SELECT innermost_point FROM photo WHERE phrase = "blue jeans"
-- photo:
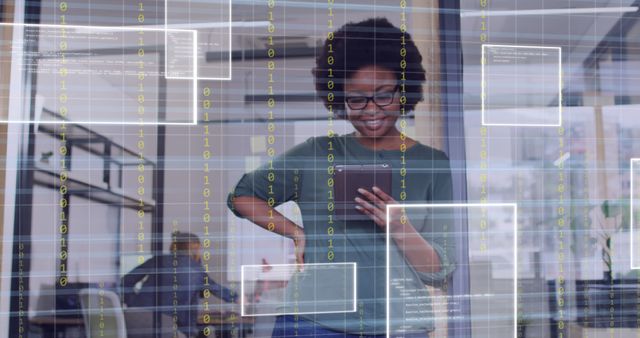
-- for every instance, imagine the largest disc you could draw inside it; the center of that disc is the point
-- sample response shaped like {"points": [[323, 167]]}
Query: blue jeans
{"points": [[284, 328]]}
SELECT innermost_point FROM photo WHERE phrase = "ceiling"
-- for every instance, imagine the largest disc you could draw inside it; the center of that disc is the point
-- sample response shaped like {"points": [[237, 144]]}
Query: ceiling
{"points": [[577, 34]]}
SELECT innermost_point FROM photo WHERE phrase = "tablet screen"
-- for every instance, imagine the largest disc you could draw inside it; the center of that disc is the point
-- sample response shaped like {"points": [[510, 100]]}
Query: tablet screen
{"points": [[348, 178]]}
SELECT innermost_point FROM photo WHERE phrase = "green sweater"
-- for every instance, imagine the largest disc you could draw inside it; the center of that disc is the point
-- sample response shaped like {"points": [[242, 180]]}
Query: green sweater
{"points": [[301, 175]]}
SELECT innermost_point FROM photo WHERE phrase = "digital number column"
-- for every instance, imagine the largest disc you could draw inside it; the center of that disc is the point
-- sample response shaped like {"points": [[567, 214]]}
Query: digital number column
{"points": [[63, 150], [206, 209], [271, 133], [271, 103], [330, 133], [403, 112], [484, 150], [140, 145]]}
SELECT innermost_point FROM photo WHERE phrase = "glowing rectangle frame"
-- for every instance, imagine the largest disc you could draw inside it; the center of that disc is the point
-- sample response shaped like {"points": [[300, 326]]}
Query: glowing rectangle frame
{"points": [[631, 225], [483, 94], [121, 28], [454, 205], [294, 265], [195, 53]]}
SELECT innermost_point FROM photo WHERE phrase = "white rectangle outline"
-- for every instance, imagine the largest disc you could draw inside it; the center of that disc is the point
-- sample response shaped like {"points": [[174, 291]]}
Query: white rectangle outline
{"points": [[355, 289], [195, 54], [121, 28], [457, 205], [482, 94], [631, 242]]}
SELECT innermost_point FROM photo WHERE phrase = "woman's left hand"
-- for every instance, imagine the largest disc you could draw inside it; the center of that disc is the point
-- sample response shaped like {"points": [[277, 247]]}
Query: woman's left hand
{"points": [[374, 204], [418, 252]]}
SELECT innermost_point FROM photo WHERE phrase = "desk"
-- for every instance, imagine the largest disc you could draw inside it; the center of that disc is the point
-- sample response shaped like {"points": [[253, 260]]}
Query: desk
{"points": [[53, 327], [228, 325]]}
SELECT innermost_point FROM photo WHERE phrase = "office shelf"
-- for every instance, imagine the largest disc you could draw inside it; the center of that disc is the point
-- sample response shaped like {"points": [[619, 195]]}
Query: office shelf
{"points": [[102, 194], [111, 153]]}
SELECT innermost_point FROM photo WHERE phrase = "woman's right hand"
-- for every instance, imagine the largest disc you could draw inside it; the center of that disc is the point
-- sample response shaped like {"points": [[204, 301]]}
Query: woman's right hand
{"points": [[259, 212], [299, 242]]}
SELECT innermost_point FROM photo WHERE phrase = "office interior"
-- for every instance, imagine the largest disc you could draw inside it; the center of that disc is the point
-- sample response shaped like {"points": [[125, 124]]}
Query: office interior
{"points": [[552, 133]]}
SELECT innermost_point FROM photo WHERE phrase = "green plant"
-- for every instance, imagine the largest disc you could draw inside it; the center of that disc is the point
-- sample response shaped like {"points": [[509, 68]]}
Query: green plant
{"points": [[522, 322], [607, 219]]}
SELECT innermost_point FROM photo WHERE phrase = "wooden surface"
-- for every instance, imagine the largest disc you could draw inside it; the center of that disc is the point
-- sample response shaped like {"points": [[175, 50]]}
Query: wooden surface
{"points": [[53, 320], [214, 319], [576, 330]]}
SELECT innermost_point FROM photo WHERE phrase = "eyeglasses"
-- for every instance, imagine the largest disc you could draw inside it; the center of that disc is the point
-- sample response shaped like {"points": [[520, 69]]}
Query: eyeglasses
{"points": [[381, 99]]}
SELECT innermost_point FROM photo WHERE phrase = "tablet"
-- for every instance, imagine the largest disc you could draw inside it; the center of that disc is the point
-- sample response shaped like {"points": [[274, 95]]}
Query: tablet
{"points": [[347, 180]]}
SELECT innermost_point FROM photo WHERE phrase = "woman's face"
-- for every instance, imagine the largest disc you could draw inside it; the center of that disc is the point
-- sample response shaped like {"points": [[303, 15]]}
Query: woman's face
{"points": [[372, 102]]}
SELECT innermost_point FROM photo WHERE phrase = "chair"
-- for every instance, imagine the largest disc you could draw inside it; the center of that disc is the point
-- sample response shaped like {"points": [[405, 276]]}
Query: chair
{"points": [[102, 313], [140, 324]]}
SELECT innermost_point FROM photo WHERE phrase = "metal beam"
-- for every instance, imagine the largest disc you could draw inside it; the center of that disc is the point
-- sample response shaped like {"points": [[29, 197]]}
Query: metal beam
{"points": [[262, 54], [452, 106], [21, 260]]}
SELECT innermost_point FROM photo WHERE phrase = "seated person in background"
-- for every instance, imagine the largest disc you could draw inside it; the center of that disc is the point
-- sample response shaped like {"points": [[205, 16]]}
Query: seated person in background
{"points": [[180, 271]]}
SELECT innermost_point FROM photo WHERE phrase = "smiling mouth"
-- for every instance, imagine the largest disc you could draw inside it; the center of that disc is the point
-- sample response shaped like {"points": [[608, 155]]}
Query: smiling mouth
{"points": [[374, 123]]}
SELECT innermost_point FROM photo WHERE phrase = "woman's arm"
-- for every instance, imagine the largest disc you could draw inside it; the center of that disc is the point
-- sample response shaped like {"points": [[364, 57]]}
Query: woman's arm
{"points": [[276, 181], [418, 252], [259, 212]]}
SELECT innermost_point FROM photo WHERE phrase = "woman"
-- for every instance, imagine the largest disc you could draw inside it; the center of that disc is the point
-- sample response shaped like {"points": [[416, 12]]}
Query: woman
{"points": [[363, 61]]}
